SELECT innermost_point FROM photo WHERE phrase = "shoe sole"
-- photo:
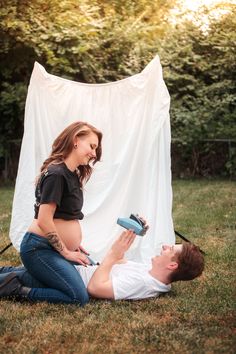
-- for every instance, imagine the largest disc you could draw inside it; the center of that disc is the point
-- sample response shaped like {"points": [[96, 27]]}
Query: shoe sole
{"points": [[8, 279]]}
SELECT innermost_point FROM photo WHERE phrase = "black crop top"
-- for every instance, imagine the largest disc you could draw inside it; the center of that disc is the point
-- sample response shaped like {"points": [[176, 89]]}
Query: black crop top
{"points": [[61, 186]]}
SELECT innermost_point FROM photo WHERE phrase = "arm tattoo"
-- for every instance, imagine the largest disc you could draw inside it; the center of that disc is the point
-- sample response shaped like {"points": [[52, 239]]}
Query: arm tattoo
{"points": [[55, 241]]}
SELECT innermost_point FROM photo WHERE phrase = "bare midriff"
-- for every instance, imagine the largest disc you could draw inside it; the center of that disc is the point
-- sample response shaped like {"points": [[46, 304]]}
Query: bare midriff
{"points": [[69, 232]]}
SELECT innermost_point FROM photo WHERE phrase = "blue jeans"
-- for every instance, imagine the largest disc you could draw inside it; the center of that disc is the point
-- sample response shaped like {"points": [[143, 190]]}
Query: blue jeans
{"points": [[24, 276], [62, 282]]}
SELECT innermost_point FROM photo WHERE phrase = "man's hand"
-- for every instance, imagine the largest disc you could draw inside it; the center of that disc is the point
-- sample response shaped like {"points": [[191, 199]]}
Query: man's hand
{"points": [[145, 226], [122, 244], [100, 285]]}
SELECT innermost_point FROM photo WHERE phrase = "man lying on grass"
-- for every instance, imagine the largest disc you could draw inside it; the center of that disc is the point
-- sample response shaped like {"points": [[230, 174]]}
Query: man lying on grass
{"points": [[115, 278]]}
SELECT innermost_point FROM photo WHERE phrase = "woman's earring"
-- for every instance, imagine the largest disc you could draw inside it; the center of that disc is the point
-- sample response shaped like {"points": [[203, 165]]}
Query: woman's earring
{"points": [[75, 146]]}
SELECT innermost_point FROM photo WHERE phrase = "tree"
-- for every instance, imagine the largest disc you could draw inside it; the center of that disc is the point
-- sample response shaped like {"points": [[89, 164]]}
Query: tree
{"points": [[86, 40], [199, 68], [107, 40]]}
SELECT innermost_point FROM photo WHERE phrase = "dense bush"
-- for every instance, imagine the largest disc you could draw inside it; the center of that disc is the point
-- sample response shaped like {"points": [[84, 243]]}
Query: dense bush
{"points": [[106, 40]]}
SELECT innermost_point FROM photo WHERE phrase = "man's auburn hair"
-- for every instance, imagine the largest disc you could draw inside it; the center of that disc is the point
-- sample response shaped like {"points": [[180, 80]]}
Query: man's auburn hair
{"points": [[190, 263]]}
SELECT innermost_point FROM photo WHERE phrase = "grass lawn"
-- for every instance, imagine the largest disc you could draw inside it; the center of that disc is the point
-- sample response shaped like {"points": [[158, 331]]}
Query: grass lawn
{"points": [[196, 317]]}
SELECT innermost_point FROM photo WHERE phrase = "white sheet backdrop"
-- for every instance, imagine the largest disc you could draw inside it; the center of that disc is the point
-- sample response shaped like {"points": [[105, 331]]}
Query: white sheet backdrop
{"points": [[134, 174]]}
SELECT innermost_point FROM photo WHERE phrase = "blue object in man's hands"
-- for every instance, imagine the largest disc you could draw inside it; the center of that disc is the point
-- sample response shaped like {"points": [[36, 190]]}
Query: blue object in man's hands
{"points": [[133, 223]]}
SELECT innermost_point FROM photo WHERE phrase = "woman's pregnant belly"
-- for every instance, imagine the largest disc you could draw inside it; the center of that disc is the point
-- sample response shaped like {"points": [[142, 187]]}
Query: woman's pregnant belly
{"points": [[68, 230]]}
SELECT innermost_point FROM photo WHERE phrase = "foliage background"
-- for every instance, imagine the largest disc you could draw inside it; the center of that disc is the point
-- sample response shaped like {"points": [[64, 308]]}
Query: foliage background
{"points": [[107, 40]]}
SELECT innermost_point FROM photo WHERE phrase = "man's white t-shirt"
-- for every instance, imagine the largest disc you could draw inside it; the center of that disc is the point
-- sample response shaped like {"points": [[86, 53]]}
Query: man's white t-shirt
{"points": [[130, 280]]}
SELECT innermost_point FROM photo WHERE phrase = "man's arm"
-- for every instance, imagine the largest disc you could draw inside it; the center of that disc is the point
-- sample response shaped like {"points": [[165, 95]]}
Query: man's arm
{"points": [[100, 285]]}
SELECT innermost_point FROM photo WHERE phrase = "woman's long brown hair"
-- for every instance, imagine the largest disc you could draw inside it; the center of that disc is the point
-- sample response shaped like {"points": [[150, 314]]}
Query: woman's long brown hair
{"points": [[64, 144]]}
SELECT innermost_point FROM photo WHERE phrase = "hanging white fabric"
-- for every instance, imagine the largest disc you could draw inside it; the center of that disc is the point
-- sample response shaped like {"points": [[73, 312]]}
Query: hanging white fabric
{"points": [[134, 175]]}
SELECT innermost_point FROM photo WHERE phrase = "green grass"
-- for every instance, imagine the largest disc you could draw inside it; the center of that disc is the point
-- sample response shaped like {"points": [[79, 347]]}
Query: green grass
{"points": [[196, 317]]}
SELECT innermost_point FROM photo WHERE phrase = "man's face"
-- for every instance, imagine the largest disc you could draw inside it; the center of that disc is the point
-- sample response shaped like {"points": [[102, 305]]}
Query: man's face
{"points": [[167, 256]]}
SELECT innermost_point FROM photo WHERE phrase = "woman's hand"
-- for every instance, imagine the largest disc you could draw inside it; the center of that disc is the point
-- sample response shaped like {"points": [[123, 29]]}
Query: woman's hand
{"points": [[77, 257], [83, 250]]}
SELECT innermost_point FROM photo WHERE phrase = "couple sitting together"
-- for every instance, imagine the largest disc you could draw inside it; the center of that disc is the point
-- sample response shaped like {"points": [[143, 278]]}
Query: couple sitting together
{"points": [[56, 267]]}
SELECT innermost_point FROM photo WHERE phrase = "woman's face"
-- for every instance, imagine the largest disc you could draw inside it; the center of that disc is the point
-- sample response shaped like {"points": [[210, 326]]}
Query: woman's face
{"points": [[86, 148]]}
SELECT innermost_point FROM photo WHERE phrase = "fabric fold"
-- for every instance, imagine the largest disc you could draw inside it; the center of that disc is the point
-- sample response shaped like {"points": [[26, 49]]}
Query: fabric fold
{"points": [[134, 175]]}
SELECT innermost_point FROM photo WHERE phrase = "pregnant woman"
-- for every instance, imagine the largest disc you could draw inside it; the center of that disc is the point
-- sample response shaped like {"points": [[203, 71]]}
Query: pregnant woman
{"points": [[52, 244]]}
